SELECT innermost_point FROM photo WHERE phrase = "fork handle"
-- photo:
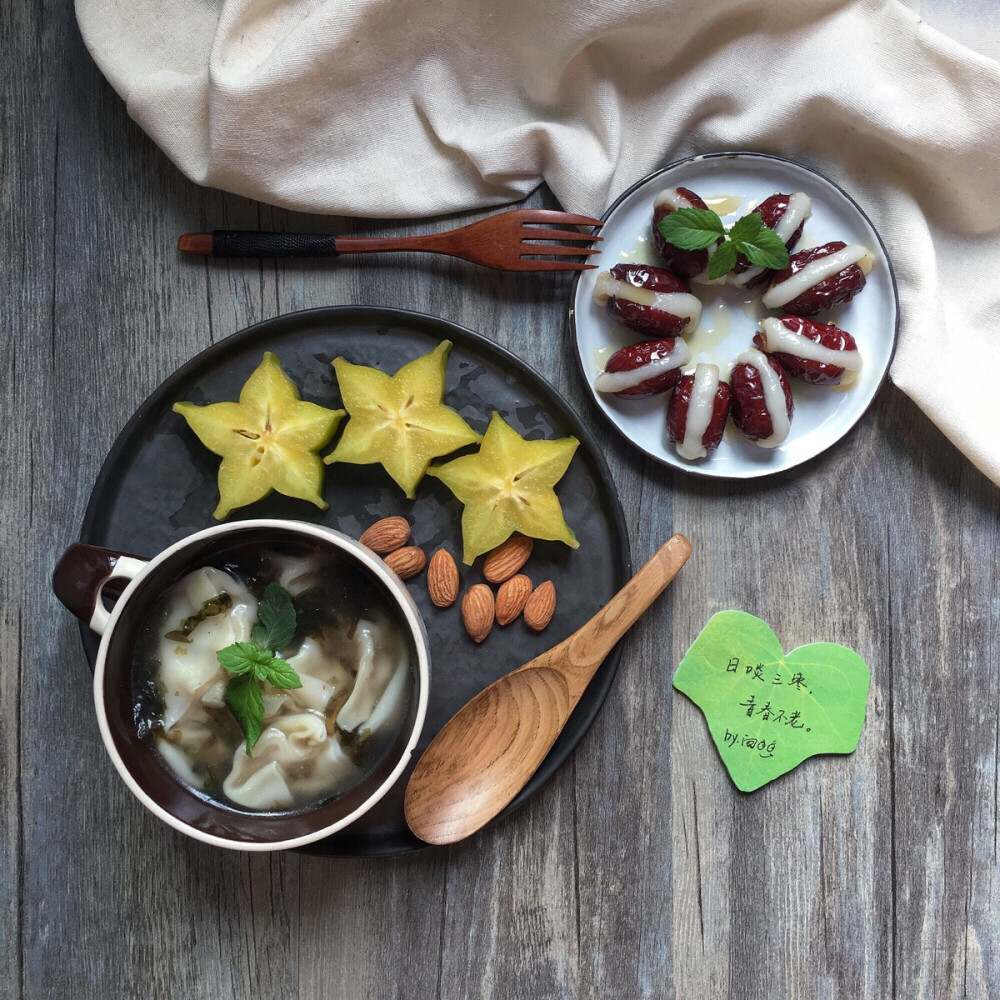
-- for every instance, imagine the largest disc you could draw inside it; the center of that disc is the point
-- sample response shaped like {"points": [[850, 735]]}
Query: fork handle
{"points": [[248, 243]]}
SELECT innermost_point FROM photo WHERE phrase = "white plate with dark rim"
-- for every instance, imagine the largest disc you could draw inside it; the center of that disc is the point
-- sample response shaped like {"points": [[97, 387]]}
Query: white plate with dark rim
{"points": [[734, 184]]}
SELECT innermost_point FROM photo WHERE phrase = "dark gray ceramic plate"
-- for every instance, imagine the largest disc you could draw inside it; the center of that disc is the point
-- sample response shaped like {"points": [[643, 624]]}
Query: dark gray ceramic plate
{"points": [[158, 485]]}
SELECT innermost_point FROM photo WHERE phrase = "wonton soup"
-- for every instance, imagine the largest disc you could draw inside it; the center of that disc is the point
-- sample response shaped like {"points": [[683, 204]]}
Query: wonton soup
{"points": [[317, 741]]}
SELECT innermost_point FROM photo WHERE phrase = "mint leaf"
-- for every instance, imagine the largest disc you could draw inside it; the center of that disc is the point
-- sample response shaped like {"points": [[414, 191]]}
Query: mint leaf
{"points": [[245, 701], [764, 258], [747, 228], [276, 619], [723, 260], [691, 228], [243, 658], [766, 250], [699, 229], [282, 675], [253, 664]]}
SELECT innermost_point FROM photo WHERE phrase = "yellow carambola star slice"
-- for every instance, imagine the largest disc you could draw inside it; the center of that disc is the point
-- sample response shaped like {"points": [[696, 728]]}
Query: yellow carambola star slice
{"points": [[268, 440], [507, 486], [398, 421]]}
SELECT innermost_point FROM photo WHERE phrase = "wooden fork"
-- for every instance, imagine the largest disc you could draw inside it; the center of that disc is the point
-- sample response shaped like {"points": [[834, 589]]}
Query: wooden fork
{"points": [[504, 241]]}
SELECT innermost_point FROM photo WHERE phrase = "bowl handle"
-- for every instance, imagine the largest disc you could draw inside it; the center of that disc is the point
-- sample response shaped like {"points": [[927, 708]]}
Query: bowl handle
{"points": [[80, 576]]}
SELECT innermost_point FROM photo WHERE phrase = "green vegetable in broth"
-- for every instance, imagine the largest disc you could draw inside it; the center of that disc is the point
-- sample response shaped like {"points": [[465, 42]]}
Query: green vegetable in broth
{"points": [[211, 608]]}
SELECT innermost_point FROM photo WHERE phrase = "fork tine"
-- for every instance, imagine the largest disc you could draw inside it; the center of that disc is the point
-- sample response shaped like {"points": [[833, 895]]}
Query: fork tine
{"points": [[551, 215], [527, 233], [554, 250], [526, 264]]}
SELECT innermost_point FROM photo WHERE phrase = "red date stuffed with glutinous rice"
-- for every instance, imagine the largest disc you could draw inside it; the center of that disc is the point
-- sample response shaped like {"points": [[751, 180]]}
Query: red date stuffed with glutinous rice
{"points": [[762, 399], [649, 300], [786, 214], [819, 279], [696, 416], [686, 263], [819, 353], [644, 369]]}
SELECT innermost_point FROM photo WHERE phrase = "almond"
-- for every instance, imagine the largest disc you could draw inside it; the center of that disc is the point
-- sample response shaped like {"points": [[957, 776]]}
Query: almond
{"points": [[506, 559], [386, 535], [511, 598], [541, 606], [406, 562], [477, 611], [442, 579]]}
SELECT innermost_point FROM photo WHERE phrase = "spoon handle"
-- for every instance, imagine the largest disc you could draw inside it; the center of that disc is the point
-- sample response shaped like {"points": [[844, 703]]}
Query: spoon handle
{"points": [[579, 656]]}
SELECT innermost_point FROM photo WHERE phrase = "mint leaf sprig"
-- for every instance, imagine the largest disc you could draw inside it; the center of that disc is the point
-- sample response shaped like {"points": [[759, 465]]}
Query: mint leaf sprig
{"points": [[701, 228], [255, 663]]}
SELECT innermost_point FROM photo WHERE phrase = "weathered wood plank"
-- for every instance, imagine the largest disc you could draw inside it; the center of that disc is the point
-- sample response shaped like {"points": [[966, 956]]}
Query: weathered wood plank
{"points": [[371, 928], [623, 787], [26, 274], [942, 621], [791, 872], [113, 903], [639, 871]]}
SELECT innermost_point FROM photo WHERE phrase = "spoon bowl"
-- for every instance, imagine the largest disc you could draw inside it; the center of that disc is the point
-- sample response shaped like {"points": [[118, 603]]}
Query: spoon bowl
{"points": [[489, 749], [503, 735]]}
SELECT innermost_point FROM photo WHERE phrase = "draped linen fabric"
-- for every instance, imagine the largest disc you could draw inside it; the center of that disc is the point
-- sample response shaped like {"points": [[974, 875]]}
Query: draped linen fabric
{"points": [[420, 107]]}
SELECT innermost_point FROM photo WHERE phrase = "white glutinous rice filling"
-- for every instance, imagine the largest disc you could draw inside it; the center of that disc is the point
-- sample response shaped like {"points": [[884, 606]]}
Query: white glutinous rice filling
{"points": [[774, 397], [679, 304], [619, 381], [699, 413], [816, 271], [778, 339]]}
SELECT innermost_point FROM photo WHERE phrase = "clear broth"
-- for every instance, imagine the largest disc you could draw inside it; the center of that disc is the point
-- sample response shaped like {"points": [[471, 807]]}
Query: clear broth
{"points": [[337, 600]]}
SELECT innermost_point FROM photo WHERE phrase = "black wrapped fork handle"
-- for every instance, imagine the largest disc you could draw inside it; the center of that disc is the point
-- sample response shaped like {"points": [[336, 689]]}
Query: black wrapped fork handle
{"points": [[247, 243]]}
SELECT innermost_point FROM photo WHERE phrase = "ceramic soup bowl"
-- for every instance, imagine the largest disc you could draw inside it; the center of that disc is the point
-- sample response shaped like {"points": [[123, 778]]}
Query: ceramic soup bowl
{"points": [[79, 581]]}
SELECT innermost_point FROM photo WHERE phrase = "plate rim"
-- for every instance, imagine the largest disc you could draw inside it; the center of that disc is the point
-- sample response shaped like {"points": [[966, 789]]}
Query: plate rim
{"points": [[762, 473], [434, 326]]}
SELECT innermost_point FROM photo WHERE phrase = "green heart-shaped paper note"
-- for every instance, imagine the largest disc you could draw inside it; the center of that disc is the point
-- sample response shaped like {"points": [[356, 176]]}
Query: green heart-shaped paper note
{"points": [[767, 710]]}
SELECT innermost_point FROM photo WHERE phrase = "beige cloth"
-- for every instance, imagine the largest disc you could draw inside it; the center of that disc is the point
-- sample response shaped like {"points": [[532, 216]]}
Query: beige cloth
{"points": [[417, 107]]}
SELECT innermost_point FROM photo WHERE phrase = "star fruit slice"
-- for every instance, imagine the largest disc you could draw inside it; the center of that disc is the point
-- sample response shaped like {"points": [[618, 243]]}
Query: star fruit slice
{"points": [[398, 421], [268, 440], [507, 486]]}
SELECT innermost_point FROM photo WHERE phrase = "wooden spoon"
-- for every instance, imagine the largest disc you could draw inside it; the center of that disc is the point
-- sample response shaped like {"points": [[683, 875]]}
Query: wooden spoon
{"points": [[489, 749]]}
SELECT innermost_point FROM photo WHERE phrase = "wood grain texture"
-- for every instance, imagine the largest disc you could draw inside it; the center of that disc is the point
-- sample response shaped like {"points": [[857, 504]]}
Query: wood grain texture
{"points": [[638, 871]]}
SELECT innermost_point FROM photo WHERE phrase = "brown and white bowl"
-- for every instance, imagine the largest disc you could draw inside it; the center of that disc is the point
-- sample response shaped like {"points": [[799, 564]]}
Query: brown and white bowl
{"points": [[79, 580]]}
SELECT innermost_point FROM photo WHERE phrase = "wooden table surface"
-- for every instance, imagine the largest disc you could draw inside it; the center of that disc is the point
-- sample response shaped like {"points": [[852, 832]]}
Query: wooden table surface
{"points": [[638, 871]]}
